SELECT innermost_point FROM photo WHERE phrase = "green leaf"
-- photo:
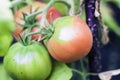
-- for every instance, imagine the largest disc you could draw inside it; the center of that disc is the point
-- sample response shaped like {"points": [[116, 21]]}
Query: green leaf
{"points": [[60, 72]]}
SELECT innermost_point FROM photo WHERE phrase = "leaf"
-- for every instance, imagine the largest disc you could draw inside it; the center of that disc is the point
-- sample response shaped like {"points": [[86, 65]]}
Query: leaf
{"points": [[60, 72]]}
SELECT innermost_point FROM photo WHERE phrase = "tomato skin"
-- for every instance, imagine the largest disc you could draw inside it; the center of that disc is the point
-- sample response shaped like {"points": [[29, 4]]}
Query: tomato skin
{"points": [[35, 5], [54, 13], [71, 41], [30, 62], [62, 8]]}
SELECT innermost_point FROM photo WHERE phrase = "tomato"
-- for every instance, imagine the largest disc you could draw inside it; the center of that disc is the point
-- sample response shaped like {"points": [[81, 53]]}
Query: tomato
{"points": [[5, 41], [62, 8], [31, 62], [18, 17], [6, 26], [6, 17], [54, 13], [71, 40]]}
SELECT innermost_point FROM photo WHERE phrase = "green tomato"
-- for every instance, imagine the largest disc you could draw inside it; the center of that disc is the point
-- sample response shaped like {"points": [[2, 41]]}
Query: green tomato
{"points": [[5, 41], [62, 8], [31, 62], [6, 17]]}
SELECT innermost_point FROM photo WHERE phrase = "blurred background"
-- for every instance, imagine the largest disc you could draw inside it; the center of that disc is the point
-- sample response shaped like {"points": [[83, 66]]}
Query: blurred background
{"points": [[111, 51]]}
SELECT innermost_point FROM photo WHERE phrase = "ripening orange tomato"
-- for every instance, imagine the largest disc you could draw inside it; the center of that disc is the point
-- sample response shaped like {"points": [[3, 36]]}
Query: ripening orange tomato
{"points": [[71, 40]]}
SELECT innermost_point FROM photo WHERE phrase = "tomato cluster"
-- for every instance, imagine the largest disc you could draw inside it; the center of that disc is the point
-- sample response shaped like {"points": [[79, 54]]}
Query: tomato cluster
{"points": [[18, 17], [30, 59]]}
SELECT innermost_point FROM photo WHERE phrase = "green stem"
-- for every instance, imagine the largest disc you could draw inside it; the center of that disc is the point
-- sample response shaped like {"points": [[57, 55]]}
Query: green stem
{"points": [[32, 33], [21, 40], [82, 74], [34, 14], [75, 6], [27, 39], [92, 74], [43, 11], [83, 64], [79, 72]]}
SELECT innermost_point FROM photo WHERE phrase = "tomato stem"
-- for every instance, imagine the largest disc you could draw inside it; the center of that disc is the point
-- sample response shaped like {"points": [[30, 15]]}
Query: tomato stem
{"points": [[28, 38], [84, 74], [21, 40], [75, 4], [34, 14], [43, 19], [32, 33], [43, 11]]}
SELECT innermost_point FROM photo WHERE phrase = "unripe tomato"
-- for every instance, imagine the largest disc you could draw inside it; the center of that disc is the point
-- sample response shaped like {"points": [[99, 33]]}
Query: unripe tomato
{"points": [[18, 17], [5, 42], [62, 8], [6, 17], [31, 62], [71, 40]]}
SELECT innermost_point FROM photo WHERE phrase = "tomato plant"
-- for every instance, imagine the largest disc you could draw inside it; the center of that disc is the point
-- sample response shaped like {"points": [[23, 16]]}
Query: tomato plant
{"points": [[18, 16], [67, 38], [71, 40], [31, 62]]}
